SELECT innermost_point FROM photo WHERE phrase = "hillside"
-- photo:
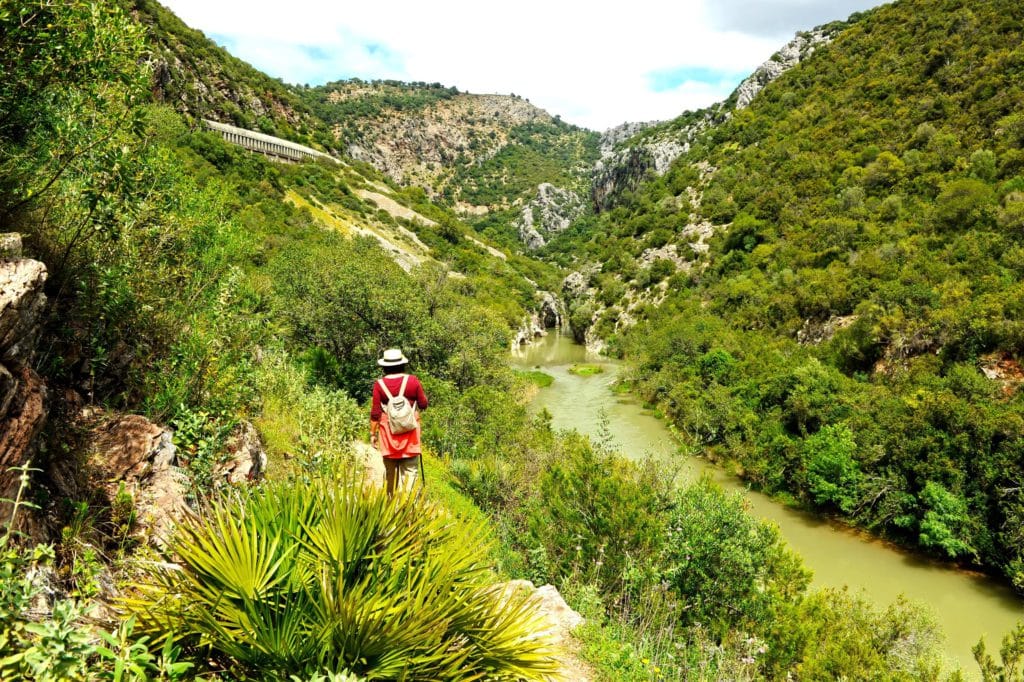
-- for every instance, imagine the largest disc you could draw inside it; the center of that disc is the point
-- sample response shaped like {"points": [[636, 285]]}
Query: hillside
{"points": [[191, 333], [484, 155], [824, 289], [198, 78]]}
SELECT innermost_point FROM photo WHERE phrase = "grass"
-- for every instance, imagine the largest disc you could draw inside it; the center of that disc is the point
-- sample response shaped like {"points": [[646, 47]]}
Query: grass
{"points": [[586, 369], [442, 487], [537, 378]]}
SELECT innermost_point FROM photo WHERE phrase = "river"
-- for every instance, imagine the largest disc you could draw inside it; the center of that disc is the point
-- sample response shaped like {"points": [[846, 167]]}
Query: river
{"points": [[966, 604]]}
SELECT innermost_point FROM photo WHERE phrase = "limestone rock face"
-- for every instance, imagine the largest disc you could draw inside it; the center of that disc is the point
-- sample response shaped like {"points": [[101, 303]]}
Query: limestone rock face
{"points": [[559, 622], [247, 460], [415, 146], [624, 168], [132, 450], [798, 49], [550, 314], [10, 245], [623, 165], [613, 137], [815, 332], [22, 302], [23, 394], [550, 212], [26, 411]]}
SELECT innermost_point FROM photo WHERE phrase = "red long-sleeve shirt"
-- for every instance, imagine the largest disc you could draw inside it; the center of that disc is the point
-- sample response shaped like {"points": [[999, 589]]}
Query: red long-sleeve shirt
{"points": [[413, 391]]}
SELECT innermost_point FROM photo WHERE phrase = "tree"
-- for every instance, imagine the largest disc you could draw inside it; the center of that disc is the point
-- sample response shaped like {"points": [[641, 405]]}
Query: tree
{"points": [[833, 474], [70, 77], [945, 525], [726, 566]]}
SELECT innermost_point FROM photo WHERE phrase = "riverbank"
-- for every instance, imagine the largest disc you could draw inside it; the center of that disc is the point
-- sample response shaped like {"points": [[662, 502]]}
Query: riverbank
{"points": [[968, 606]]}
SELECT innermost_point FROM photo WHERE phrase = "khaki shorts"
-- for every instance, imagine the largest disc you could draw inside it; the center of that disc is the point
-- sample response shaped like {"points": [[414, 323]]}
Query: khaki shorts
{"points": [[401, 473]]}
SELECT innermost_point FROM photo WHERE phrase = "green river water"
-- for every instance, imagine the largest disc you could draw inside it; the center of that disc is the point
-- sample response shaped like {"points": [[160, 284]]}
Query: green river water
{"points": [[967, 605]]}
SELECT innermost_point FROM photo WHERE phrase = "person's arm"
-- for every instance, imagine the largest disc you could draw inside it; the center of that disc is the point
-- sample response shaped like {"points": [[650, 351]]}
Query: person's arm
{"points": [[421, 396], [375, 413]]}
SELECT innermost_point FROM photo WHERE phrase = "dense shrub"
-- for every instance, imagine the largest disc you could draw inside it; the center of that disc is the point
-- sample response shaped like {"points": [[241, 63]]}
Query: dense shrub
{"points": [[326, 576]]}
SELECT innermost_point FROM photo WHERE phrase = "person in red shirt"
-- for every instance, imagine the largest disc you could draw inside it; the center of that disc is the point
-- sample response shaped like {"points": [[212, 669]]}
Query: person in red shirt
{"points": [[401, 452]]}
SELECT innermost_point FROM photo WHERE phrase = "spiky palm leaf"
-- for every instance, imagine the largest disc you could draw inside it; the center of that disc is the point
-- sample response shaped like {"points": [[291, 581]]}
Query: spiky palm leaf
{"points": [[313, 576]]}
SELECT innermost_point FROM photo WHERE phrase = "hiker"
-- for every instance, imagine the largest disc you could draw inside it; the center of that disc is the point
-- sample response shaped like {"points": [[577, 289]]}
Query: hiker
{"points": [[398, 398]]}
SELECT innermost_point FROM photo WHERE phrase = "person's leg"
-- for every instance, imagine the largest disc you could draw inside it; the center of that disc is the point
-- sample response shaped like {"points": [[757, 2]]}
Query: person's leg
{"points": [[408, 470], [390, 474]]}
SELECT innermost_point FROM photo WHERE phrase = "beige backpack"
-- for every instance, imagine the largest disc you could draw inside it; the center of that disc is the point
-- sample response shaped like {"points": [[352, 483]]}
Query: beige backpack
{"points": [[400, 410]]}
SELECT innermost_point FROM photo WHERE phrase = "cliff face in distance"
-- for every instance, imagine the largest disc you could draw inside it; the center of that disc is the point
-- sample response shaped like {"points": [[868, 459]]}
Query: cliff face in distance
{"points": [[478, 152]]}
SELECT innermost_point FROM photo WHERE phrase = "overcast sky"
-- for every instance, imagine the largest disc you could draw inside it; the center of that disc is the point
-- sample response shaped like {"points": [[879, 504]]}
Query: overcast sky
{"points": [[597, 64]]}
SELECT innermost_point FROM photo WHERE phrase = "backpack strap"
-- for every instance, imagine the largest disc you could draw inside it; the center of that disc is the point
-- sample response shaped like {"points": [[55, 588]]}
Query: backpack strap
{"points": [[401, 390], [384, 387]]}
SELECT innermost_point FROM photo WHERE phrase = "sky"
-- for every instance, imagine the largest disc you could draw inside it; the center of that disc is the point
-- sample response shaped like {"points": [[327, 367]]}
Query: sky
{"points": [[596, 64]]}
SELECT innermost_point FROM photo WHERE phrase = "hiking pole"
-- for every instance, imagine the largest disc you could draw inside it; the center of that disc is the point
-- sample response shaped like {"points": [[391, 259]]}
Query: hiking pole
{"points": [[423, 472]]}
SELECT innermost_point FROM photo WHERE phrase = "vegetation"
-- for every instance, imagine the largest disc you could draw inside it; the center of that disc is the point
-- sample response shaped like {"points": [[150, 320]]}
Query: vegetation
{"points": [[202, 285], [203, 80], [306, 577], [537, 152], [861, 276]]}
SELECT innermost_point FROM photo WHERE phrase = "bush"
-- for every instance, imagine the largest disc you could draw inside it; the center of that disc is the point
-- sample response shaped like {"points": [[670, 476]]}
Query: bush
{"points": [[599, 515], [326, 576], [728, 569]]}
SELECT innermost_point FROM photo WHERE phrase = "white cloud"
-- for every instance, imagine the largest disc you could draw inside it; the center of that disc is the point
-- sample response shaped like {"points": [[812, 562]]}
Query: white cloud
{"points": [[589, 62]]}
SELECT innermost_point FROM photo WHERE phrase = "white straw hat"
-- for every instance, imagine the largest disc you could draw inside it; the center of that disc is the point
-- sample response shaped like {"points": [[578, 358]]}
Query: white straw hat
{"points": [[392, 357]]}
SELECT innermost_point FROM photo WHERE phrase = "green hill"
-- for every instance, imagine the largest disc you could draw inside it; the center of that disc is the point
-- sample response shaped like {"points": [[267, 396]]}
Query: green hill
{"points": [[204, 295], [851, 335]]}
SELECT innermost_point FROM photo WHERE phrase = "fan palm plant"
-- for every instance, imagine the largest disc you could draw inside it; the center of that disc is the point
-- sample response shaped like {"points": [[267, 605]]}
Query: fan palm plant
{"points": [[315, 576]]}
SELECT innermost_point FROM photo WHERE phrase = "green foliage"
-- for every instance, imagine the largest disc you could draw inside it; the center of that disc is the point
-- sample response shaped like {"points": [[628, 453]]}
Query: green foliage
{"points": [[538, 378], [865, 261], [599, 515], [353, 301], [537, 152], [832, 470], [586, 370], [368, 100], [1010, 668], [900, 642], [199, 439], [946, 523], [190, 63], [729, 569], [327, 576], [311, 421], [69, 80]]}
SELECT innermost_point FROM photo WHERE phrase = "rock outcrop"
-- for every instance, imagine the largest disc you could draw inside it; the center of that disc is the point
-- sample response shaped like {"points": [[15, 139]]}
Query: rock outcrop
{"points": [[795, 51], [23, 395], [559, 622], [623, 166], [623, 169], [550, 212], [418, 145], [815, 332], [246, 457], [132, 451], [551, 313]]}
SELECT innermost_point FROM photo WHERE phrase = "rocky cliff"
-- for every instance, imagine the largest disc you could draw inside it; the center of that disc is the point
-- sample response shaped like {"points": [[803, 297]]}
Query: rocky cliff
{"points": [[479, 152], [23, 394], [631, 151], [551, 211], [418, 147]]}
